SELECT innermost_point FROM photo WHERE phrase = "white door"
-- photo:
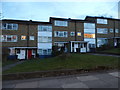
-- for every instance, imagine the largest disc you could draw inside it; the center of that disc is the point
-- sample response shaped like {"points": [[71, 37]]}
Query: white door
{"points": [[22, 54], [75, 46]]}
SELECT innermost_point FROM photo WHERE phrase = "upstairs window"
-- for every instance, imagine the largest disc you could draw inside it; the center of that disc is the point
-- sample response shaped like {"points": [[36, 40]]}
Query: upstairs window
{"points": [[72, 33], [61, 23], [116, 30], [44, 39], [9, 26], [101, 21], [45, 28], [9, 38], [111, 30], [102, 30], [23, 37], [89, 25], [31, 38], [78, 33], [60, 33]]}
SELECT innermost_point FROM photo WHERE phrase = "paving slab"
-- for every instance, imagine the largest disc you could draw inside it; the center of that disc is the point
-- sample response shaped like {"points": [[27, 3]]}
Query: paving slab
{"points": [[75, 85], [96, 84], [8, 86], [116, 74], [87, 78], [27, 85]]}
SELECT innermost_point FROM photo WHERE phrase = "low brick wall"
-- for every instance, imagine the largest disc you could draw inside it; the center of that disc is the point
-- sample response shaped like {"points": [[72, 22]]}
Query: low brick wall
{"points": [[40, 74]]}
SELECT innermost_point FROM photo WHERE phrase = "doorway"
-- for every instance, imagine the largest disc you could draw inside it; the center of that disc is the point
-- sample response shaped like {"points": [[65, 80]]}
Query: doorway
{"points": [[29, 54]]}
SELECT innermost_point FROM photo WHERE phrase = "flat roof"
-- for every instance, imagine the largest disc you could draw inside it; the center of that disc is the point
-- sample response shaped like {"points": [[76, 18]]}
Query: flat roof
{"points": [[70, 19], [101, 17], [26, 21]]}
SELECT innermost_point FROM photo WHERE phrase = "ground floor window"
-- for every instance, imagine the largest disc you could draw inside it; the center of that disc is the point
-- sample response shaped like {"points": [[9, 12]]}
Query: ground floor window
{"points": [[12, 51], [101, 41], [44, 51]]}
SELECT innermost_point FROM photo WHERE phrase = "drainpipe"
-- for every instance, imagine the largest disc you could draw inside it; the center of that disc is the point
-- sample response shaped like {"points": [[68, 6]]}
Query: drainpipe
{"points": [[28, 35], [114, 33], [75, 32], [96, 35]]}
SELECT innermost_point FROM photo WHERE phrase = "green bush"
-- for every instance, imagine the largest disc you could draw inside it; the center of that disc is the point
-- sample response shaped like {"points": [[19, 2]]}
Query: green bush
{"points": [[104, 47]]}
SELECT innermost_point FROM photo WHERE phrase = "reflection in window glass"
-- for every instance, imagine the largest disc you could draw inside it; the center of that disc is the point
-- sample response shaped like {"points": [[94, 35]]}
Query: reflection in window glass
{"points": [[72, 33], [61, 23], [45, 28], [102, 21], [9, 38], [101, 41], [102, 30], [111, 30]]}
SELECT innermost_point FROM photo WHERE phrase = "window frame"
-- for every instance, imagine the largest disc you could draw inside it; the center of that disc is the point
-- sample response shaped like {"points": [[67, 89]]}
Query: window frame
{"points": [[24, 36], [42, 27], [72, 33], [60, 34], [32, 38], [10, 36], [41, 39], [102, 21], [111, 30], [78, 33], [116, 30], [102, 31], [48, 51], [60, 23], [13, 26]]}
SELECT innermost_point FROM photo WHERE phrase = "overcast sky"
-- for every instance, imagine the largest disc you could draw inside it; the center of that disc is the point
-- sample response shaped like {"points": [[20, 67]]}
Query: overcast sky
{"points": [[41, 11]]}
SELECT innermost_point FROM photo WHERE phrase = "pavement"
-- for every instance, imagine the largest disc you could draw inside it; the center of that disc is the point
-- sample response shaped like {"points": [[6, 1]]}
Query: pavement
{"points": [[107, 79], [11, 65]]}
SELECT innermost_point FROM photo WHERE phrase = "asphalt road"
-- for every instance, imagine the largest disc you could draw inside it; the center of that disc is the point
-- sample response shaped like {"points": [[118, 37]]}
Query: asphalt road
{"points": [[108, 79]]}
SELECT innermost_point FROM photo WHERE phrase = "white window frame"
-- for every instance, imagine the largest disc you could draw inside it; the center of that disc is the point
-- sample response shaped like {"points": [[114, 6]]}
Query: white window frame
{"points": [[60, 34], [78, 33], [41, 51], [61, 23], [13, 26], [25, 36], [44, 39], [32, 37], [72, 33], [102, 21], [89, 25], [102, 30], [6, 39], [116, 30], [45, 28], [111, 30]]}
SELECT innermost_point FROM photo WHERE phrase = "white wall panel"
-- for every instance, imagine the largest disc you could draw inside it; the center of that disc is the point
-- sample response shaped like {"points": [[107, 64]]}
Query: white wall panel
{"points": [[44, 45], [48, 34]]}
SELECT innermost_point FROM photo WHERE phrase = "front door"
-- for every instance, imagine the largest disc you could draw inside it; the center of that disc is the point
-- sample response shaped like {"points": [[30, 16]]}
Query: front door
{"points": [[29, 54], [75, 47], [21, 55]]}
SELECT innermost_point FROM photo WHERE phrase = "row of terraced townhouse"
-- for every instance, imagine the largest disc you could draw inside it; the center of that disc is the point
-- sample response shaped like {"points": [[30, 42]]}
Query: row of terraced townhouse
{"points": [[24, 39]]}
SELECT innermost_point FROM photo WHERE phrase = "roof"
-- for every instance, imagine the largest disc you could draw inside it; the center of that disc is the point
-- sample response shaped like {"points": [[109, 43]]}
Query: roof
{"points": [[101, 17], [26, 21], [69, 19]]}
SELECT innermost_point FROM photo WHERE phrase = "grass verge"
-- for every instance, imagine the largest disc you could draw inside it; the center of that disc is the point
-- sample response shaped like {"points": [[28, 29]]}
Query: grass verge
{"points": [[72, 61], [114, 51]]}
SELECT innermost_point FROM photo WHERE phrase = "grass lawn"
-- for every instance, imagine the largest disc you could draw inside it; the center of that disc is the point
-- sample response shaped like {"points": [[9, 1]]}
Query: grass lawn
{"points": [[114, 50], [73, 61], [8, 62]]}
